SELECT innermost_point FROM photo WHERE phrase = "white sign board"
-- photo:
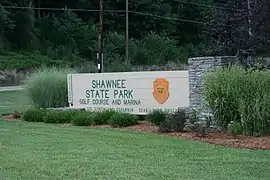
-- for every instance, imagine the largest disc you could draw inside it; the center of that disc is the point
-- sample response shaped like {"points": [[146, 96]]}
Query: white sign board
{"points": [[130, 92]]}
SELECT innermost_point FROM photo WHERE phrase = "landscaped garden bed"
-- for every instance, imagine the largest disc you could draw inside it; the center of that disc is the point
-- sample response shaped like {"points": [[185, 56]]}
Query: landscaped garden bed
{"points": [[212, 136]]}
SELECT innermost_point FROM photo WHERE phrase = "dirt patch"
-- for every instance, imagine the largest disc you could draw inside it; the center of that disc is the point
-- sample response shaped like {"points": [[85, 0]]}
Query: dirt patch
{"points": [[212, 137]]}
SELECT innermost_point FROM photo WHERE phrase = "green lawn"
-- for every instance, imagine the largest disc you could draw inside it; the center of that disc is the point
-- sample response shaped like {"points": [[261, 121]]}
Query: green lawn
{"points": [[11, 101], [43, 151]]}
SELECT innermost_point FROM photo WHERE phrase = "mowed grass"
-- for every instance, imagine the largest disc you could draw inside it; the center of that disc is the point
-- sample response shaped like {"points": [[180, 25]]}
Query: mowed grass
{"points": [[11, 101], [44, 151]]}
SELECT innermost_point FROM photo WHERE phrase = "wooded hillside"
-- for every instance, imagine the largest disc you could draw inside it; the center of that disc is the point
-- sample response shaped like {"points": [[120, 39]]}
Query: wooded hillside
{"points": [[34, 32]]}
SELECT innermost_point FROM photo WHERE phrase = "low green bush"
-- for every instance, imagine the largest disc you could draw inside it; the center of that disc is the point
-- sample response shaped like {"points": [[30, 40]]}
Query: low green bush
{"points": [[52, 116], [47, 87], [141, 117], [122, 120], [67, 116], [235, 128], [34, 115], [174, 122], [156, 117], [103, 117], [55, 116], [83, 118], [240, 96]]}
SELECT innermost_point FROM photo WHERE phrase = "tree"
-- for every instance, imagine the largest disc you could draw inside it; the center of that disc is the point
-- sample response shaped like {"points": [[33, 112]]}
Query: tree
{"points": [[6, 25], [25, 35], [242, 25]]}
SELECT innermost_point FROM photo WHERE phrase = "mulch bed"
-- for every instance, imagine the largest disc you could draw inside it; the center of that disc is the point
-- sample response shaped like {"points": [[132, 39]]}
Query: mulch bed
{"points": [[10, 117], [212, 137]]}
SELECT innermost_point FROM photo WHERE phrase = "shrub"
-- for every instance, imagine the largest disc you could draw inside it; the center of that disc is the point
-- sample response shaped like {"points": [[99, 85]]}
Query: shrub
{"points": [[103, 117], [235, 128], [164, 127], [34, 115], [51, 116], [17, 115], [67, 116], [174, 122], [83, 118], [47, 87], [156, 117], [122, 120], [240, 96], [56, 116], [178, 120], [141, 117]]}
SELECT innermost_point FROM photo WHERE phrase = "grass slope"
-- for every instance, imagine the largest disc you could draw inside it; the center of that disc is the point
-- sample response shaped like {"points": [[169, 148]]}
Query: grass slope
{"points": [[43, 151], [11, 101]]}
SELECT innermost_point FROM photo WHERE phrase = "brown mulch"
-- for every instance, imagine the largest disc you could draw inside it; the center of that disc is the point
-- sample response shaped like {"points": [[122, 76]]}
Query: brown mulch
{"points": [[224, 139], [11, 118], [212, 137]]}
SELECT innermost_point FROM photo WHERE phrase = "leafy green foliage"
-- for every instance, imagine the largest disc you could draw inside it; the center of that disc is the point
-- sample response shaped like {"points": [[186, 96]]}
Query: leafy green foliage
{"points": [[6, 24], [156, 49], [103, 117], [54, 116], [70, 38], [25, 34], [122, 120], [235, 128], [60, 117], [4, 20], [28, 61], [228, 39], [51, 117], [47, 87], [34, 115], [156, 117], [83, 118], [240, 96], [160, 31], [174, 122]]}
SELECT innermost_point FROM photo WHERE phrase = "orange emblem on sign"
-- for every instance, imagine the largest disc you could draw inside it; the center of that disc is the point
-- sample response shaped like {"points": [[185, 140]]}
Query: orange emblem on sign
{"points": [[161, 90]]}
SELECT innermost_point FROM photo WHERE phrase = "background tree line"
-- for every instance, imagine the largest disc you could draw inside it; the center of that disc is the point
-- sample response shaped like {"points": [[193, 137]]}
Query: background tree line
{"points": [[160, 30]]}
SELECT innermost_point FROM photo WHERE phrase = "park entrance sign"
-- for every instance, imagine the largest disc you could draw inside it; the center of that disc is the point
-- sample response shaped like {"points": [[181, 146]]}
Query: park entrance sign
{"points": [[129, 92]]}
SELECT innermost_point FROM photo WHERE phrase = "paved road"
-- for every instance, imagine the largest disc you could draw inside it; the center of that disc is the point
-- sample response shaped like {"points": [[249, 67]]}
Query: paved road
{"points": [[11, 88]]}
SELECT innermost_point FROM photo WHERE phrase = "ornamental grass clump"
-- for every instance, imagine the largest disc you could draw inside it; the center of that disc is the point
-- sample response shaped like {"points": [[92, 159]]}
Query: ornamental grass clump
{"points": [[47, 87], [240, 96]]}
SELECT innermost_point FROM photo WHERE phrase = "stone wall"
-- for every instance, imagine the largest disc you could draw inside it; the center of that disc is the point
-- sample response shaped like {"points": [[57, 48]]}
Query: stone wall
{"points": [[197, 68]]}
